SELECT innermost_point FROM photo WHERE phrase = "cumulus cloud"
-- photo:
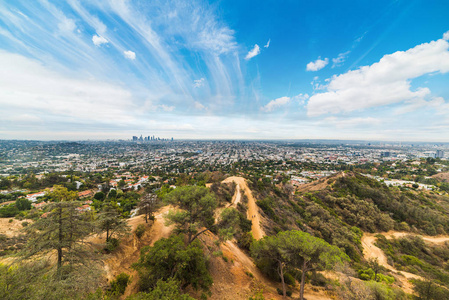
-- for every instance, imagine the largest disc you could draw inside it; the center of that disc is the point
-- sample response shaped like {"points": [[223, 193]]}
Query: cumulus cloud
{"points": [[301, 98], [268, 44], [276, 103], [129, 55], [317, 64], [382, 83], [99, 40], [340, 59], [199, 82], [253, 52], [446, 36]]}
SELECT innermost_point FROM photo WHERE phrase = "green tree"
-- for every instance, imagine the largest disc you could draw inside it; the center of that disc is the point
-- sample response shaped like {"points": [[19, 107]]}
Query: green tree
{"points": [[109, 221], [172, 258], [147, 206], [7, 211], [63, 230], [99, 196], [428, 290], [299, 250], [23, 204], [197, 206]]}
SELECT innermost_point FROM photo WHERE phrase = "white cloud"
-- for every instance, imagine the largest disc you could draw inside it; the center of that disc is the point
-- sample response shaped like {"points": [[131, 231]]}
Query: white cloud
{"points": [[317, 64], [268, 44], [66, 25], [199, 82], [99, 40], [446, 36], [29, 88], [166, 107], [382, 83], [276, 103], [253, 52], [199, 106], [301, 98], [130, 55], [340, 59]]}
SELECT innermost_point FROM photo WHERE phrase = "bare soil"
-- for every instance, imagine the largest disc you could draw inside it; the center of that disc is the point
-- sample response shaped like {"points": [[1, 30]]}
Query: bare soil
{"points": [[253, 209], [12, 229]]}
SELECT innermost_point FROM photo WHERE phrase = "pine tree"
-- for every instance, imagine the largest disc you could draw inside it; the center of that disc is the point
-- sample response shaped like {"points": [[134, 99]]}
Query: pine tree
{"points": [[63, 230]]}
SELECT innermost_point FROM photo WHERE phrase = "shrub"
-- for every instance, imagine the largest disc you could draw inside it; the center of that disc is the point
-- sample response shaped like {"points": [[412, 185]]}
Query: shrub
{"points": [[140, 230], [289, 279], [118, 286], [289, 293], [318, 279], [112, 244]]}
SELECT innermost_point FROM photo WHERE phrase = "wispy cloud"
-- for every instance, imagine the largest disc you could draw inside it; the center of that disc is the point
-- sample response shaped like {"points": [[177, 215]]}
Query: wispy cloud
{"points": [[317, 64], [340, 59], [253, 52], [267, 44], [199, 82]]}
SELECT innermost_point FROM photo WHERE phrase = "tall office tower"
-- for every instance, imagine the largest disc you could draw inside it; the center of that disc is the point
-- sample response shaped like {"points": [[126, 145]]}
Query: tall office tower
{"points": [[134, 138], [141, 139], [439, 154]]}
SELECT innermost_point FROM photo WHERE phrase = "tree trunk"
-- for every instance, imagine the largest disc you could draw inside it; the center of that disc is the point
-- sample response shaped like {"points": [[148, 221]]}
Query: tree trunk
{"points": [[60, 238], [107, 234], [281, 273], [303, 280]]}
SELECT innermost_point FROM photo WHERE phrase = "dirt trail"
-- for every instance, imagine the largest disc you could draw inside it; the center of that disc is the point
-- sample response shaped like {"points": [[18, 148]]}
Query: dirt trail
{"points": [[371, 251], [253, 212], [129, 250]]}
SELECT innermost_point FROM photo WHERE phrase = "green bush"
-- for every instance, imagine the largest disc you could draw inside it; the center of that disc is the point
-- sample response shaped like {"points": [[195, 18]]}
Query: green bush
{"points": [[410, 260], [318, 279], [140, 230], [289, 293], [118, 286], [289, 279], [112, 244]]}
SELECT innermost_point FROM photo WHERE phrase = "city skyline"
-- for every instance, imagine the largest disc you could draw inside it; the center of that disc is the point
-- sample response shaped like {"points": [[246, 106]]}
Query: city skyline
{"points": [[225, 70]]}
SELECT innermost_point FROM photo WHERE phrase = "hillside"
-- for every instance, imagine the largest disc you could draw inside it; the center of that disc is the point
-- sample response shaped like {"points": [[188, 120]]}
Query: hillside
{"points": [[394, 236]]}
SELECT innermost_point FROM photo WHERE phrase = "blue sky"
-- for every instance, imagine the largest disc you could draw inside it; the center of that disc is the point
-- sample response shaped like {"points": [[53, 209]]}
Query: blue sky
{"points": [[375, 70]]}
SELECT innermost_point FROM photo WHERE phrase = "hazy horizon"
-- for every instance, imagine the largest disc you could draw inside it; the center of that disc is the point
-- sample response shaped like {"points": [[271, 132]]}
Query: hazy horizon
{"points": [[225, 70]]}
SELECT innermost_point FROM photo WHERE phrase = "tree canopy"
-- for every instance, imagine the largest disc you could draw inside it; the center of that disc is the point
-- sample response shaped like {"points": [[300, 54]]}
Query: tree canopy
{"points": [[299, 250]]}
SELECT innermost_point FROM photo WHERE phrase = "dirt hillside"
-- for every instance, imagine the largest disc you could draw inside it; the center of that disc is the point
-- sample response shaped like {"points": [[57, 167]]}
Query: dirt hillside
{"points": [[253, 210]]}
